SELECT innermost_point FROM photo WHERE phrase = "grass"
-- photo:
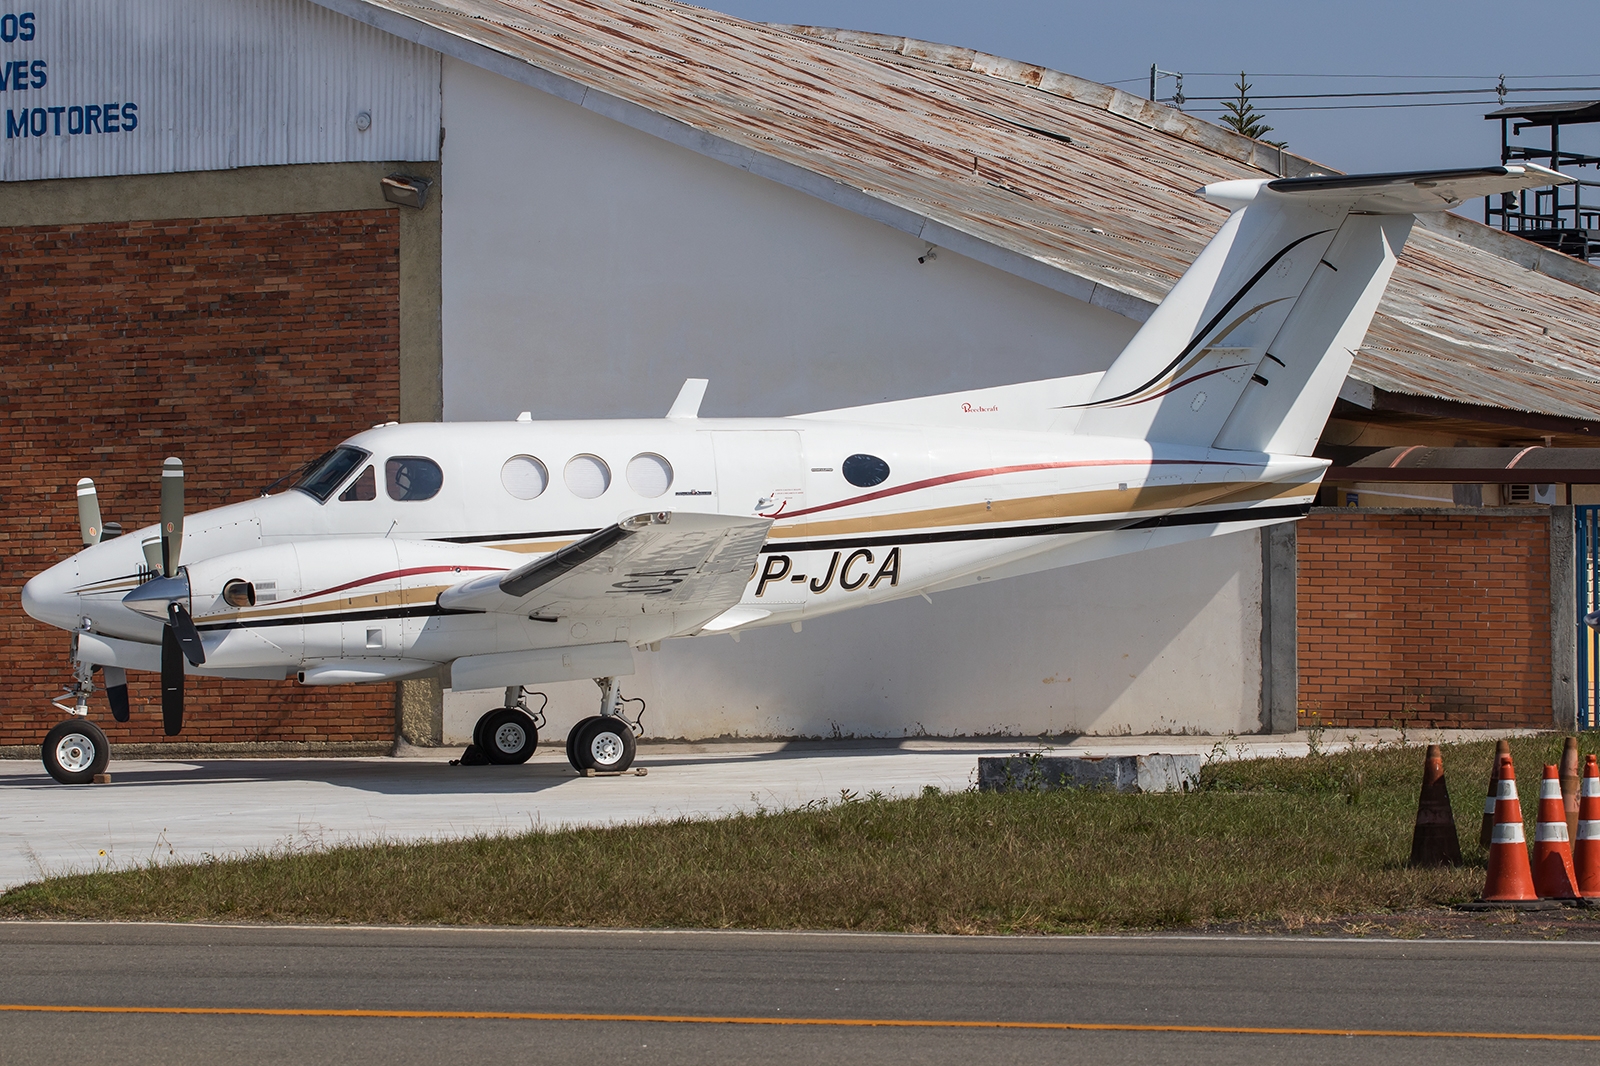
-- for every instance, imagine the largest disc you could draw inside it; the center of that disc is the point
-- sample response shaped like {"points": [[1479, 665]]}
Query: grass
{"points": [[1279, 840]]}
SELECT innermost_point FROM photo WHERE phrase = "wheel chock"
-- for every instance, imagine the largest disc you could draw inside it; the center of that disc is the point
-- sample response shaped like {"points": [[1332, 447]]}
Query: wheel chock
{"points": [[637, 771], [102, 779]]}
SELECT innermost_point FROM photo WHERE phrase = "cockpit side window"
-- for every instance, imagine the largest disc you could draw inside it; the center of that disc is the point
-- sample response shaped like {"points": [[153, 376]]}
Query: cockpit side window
{"points": [[364, 487], [412, 477], [322, 478]]}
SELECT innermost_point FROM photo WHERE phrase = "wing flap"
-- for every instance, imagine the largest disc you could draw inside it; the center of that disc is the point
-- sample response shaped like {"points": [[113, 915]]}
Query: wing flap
{"points": [[652, 563]]}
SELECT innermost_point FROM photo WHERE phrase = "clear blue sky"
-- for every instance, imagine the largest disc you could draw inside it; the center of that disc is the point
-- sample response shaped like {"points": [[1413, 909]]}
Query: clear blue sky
{"points": [[1531, 42]]}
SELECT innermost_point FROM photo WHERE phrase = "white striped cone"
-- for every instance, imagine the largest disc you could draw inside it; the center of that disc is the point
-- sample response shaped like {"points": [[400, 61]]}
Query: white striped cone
{"points": [[1553, 875]]}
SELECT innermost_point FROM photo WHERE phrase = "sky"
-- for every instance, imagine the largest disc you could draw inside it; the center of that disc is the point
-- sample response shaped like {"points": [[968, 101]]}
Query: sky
{"points": [[1461, 44]]}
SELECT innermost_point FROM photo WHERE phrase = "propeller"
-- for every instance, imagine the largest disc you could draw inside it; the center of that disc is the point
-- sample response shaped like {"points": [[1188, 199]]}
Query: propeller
{"points": [[94, 531], [169, 595], [89, 511]]}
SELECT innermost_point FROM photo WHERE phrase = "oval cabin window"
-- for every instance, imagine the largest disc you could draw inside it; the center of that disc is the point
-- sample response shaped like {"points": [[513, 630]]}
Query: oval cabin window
{"points": [[865, 471], [412, 477], [524, 477], [649, 475], [587, 476]]}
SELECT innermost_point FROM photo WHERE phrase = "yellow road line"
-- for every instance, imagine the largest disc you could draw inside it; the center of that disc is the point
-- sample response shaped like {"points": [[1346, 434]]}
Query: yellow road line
{"points": [[697, 1019]]}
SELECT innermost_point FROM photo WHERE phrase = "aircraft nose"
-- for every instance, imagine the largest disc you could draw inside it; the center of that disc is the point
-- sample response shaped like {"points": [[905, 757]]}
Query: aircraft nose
{"points": [[48, 598]]}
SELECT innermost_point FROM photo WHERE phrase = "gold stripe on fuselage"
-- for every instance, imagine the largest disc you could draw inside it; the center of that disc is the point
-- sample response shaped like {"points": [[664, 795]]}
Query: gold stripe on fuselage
{"points": [[1106, 502], [340, 604]]}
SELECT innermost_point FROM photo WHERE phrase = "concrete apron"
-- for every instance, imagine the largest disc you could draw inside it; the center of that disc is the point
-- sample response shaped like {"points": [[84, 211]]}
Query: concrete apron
{"points": [[177, 810]]}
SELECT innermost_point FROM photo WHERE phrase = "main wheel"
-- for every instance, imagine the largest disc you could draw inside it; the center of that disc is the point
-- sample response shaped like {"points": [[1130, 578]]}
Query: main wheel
{"points": [[75, 751], [507, 736], [572, 741], [606, 744]]}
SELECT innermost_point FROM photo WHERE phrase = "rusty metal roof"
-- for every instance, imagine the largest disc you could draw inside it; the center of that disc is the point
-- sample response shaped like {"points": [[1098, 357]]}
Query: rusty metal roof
{"points": [[1078, 186]]}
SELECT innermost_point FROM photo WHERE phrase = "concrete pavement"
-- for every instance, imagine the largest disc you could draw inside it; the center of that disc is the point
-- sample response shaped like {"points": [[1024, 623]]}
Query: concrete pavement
{"points": [[186, 810]]}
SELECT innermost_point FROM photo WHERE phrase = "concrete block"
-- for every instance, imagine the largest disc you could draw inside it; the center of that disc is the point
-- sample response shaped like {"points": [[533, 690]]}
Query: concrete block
{"points": [[1116, 773]]}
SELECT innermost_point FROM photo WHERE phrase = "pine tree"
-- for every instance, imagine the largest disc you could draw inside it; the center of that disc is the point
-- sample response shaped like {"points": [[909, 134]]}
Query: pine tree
{"points": [[1241, 116]]}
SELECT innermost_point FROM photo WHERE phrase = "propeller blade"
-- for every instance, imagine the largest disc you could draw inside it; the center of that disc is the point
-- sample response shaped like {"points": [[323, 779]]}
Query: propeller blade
{"points": [[89, 511], [183, 626], [171, 514], [117, 691], [171, 682]]}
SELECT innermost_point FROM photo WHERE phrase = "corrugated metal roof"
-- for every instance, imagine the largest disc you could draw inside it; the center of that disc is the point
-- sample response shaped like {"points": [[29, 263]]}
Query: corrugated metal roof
{"points": [[1079, 186]]}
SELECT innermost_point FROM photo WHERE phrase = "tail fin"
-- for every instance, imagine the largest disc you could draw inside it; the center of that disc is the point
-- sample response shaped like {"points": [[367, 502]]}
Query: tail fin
{"points": [[1249, 349]]}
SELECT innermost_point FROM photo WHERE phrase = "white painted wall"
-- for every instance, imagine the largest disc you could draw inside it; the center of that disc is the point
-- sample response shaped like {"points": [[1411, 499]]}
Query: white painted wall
{"points": [[589, 268]]}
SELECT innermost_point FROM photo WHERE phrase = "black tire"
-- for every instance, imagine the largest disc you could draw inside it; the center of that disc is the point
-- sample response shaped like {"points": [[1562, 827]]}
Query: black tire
{"points": [[606, 744], [507, 736], [75, 751], [477, 727], [572, 741]]}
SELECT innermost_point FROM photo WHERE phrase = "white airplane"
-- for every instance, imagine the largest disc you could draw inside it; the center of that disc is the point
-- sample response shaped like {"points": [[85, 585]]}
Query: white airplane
{"points": [[522, 553]]}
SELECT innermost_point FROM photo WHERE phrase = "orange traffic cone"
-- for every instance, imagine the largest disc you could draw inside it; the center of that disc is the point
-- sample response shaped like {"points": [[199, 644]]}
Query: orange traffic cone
{"points": [[1486, 828], [1587, 859], [1434, 841], [1510, 878], [1553, 875]]}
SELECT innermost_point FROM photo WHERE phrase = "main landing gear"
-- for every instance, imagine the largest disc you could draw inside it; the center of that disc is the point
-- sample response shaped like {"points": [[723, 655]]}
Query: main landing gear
{"points": [[607, 741], [603, 743], [510, 734]]}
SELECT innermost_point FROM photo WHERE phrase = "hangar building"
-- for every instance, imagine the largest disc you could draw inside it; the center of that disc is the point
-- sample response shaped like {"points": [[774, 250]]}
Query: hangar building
{"points": [[238, 230]]}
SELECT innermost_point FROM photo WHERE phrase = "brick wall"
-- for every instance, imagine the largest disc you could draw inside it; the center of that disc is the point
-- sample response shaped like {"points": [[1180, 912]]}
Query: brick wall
{"points": [[243, 345], [1434, 619]]}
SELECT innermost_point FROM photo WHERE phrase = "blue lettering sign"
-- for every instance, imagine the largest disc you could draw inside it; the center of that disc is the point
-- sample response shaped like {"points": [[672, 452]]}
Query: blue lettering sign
{"points": [[5, 76], [130, 117], [15, 126], [112, 118], [39, 121], [91, 119], [14, 28], [74, 119], [38, 73]]}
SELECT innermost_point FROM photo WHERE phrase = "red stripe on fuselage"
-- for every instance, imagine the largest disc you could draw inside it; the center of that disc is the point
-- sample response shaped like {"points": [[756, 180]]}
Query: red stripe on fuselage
{"points": [[386, 576]]}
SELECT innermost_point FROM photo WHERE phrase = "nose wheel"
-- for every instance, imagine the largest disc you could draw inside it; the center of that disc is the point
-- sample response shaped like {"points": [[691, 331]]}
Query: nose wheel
{"points": [[75, 751], [606, 742]]}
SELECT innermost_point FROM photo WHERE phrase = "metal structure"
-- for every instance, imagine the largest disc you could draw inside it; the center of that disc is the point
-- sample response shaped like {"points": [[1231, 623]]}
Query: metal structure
{"points": [[1555, 217], [1587, 554]]}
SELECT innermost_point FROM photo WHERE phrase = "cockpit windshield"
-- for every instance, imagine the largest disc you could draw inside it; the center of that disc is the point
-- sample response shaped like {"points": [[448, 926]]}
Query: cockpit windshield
{"points": [[329, 472]]}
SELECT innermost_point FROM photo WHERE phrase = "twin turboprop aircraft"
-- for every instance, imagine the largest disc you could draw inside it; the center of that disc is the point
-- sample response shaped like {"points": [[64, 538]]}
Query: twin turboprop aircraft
{"points": [[502, 555]]}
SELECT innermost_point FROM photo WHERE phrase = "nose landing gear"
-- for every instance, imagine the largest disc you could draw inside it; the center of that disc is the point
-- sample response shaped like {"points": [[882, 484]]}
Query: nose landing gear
{"points": [[76, 750], [607, 741]]}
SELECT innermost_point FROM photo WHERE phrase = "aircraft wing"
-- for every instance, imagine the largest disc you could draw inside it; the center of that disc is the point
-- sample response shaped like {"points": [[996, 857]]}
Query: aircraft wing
{"points": [[649, 564]]}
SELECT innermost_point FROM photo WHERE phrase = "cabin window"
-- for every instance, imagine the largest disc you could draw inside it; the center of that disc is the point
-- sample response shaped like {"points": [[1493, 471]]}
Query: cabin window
{"points": [[524, 477], [329, 472], [649, 475], [587, 476], [364, 487], [412, 477], [865, 471]]}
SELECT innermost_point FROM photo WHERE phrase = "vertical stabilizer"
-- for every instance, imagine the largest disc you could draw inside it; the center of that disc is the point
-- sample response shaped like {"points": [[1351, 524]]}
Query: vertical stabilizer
{"points": [[1250, 347]]}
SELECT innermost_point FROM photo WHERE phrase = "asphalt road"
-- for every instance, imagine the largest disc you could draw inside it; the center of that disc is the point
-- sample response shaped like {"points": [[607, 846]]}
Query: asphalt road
{"points": [[406, 996]]}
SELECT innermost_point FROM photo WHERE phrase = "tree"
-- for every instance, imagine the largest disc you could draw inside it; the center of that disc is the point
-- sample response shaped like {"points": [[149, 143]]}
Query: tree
{"points": [[1241, 116]]}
